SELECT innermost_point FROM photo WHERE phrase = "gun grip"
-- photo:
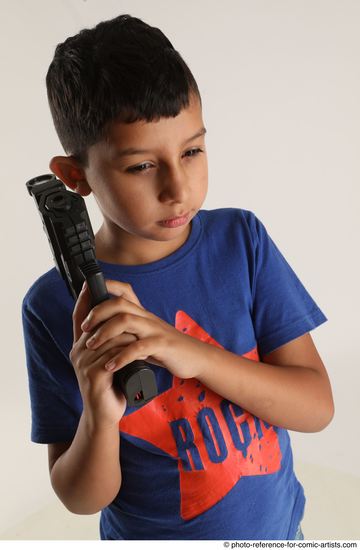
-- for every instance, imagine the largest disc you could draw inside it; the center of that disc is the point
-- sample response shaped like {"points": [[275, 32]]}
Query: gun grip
{"points": [[137, 382]]}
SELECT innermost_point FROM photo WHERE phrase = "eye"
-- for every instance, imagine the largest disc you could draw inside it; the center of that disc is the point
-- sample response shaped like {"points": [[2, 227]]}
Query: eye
{"points": [[194, 151], [139, 168], [146, 165]]}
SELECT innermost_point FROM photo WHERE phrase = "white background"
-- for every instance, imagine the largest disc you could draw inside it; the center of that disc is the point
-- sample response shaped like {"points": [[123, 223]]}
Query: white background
{"points": [[280, 85]]}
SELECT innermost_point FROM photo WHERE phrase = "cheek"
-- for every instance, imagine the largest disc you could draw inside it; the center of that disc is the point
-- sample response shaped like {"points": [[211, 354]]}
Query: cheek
{"points": [[117, 191], [112, 199], [202, 178]]}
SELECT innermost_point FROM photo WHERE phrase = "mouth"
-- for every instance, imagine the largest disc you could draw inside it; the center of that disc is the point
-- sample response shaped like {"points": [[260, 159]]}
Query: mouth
{"points": [[175, 222]]}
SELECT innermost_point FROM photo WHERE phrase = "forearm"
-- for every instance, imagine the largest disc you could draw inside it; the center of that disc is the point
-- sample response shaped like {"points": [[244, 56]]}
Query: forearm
{"points": [[87, 477], [292, 397]]}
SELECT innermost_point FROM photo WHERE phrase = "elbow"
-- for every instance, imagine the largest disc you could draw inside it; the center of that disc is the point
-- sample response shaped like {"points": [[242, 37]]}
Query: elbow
{"points": [[330, 414], [326, 417], [83, 506], [330, 410], [86, 507], [82, 512], [325, 408], [80, 509]]}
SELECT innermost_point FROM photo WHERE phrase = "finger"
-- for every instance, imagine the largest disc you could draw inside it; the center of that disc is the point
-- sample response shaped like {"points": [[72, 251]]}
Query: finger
{"points": [[91, 362], [117, 288], [81, 310], [142, 349], [121, 340], [107, 309], [91, 355], [136, 325]]}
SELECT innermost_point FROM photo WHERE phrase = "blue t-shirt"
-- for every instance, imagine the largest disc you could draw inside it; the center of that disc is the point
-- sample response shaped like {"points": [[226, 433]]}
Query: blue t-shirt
{"points": [[194, 465]]}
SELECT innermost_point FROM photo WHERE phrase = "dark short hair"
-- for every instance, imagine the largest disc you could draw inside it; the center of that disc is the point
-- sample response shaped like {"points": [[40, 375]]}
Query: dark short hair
{"points": [[122, 69]]}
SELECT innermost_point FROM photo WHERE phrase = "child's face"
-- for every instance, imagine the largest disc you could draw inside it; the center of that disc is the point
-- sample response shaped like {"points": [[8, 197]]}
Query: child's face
{"points": [[137, 191]]}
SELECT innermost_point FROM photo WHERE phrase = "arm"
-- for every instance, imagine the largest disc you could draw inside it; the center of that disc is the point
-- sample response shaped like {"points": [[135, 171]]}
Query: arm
{"points": [[289, 389], [87, 476]]}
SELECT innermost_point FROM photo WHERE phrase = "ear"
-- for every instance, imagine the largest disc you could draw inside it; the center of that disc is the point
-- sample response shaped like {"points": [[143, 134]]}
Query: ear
{"points": [[71, 174]]}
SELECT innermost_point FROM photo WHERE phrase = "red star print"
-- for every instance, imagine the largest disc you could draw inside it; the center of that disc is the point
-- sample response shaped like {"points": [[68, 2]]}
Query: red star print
{"points": [[214, 442]]}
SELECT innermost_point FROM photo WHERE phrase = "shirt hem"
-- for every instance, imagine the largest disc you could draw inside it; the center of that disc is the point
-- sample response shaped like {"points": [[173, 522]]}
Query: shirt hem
{"points": [[294, 330]]}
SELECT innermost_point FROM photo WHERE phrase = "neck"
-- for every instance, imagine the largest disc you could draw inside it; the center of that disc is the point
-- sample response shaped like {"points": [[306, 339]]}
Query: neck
{"points": [[128, 249]]}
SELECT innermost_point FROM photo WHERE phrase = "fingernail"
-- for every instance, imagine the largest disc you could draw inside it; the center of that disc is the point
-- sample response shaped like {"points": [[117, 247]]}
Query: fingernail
{"points": [[110, 365], [84, 286], [85, 325]]}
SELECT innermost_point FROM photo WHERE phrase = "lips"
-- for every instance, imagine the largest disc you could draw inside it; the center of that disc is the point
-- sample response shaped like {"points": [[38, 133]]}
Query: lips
{"points": [[175, 222], [176, 217]]}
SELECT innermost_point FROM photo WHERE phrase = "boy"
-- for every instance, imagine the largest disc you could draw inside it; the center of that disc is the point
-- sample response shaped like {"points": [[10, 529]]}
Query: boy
{"points": [[206, 298]]}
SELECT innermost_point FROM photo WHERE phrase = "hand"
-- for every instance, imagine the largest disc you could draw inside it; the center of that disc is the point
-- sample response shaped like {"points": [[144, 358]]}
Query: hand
{"points": [[123, 323], [104, 403]]}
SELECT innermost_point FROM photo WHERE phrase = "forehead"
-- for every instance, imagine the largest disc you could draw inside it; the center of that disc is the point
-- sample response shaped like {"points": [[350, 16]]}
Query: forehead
{"points": [[165, 133]]}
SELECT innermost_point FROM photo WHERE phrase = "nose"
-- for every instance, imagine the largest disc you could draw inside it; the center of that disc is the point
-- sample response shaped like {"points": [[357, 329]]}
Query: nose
{"points": [[174, 185]]}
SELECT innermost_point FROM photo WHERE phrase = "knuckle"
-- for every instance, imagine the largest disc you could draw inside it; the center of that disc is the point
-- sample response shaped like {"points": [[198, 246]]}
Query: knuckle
{"points": [[73, 351], [75, 358], [93, 312], [126, 317], [86, 370], [120, 299]]}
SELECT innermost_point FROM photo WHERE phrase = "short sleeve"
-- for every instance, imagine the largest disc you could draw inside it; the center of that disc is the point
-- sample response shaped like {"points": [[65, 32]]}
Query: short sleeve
{"points": [[56, 403], [282, 307]]}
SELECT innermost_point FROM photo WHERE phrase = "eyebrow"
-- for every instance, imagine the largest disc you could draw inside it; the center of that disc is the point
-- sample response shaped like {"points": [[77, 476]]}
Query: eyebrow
{"points": [[133, 151]]}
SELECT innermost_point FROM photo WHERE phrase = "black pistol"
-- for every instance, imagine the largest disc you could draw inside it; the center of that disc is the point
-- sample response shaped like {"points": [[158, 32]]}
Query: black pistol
{"points": [[67, 225]]}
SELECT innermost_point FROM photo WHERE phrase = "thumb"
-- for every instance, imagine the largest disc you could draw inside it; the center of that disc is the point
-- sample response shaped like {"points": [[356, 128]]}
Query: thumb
{"points": [[81, 310]]}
